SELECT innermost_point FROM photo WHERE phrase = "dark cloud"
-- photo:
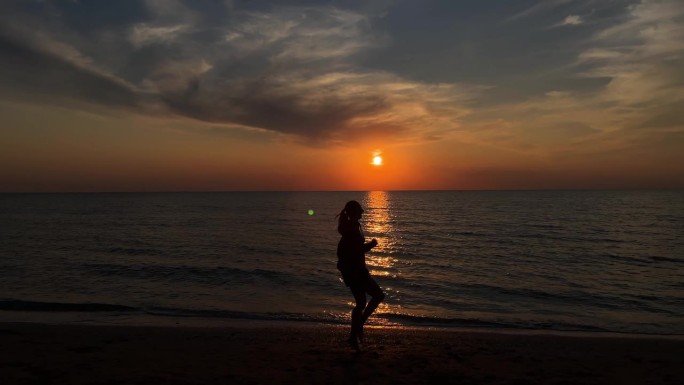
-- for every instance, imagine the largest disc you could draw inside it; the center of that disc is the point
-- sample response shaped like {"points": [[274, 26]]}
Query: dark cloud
{"points": [[273, 105], [26, 72]]}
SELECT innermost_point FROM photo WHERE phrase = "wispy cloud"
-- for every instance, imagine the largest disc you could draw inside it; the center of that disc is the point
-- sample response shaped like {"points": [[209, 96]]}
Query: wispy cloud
{"points": [[571, 20], [143, 34], [539, 7], [301, 33], [639, 63], [643, 57]]}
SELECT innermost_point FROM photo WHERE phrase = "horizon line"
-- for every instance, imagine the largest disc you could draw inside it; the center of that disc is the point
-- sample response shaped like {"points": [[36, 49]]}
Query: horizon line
{"points": [[351, 191]]}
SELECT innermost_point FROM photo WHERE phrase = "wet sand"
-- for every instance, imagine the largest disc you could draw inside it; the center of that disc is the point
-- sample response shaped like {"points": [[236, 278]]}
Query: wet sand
{"points": [[32, 353]]}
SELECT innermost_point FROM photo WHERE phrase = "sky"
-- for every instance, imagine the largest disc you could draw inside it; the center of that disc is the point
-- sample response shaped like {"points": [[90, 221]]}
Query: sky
{"points": [[221, 95]]}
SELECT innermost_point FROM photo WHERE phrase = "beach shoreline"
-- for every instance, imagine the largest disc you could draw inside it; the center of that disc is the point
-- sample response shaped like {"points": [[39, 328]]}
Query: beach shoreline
{"points": [[156, 320], [266, 352]]}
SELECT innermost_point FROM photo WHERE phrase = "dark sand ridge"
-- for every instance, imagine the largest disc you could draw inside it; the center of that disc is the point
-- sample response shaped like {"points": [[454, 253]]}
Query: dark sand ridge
{"points": [[32, 353]]}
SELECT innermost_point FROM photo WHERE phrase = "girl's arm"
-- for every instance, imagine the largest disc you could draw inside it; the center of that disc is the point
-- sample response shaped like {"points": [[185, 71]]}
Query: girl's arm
{"points": [[369, 245]]}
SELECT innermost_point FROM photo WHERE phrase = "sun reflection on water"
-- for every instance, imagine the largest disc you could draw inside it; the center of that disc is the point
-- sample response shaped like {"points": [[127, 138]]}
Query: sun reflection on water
{"points": [[381, 260], [377, 220], [378, 225]]}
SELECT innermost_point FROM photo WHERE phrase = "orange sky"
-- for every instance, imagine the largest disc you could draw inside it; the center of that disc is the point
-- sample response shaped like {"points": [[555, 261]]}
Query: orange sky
{"points": [[91, 152]]}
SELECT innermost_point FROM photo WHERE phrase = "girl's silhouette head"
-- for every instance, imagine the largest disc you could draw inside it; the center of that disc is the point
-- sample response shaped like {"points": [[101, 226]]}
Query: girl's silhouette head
{"points": [[350, 215]]}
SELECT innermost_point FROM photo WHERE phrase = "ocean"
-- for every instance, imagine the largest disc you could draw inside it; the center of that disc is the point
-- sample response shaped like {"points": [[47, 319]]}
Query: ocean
{"points": [[604, 261]]}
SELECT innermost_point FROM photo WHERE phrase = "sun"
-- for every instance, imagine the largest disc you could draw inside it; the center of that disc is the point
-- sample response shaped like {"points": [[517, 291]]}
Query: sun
{"points": [[377, 160]]}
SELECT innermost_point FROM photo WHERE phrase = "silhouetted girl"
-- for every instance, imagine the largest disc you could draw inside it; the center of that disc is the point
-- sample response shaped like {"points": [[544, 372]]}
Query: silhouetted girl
{"points": [[351, 261]]}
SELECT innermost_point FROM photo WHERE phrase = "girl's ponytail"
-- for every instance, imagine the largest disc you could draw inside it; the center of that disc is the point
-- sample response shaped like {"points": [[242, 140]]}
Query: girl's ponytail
{"points": [[343, 219]]}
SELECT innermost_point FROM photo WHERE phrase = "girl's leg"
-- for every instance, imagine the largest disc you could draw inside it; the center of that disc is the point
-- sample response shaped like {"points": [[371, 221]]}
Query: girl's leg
{"points": [[357, 314], [377, 295]]}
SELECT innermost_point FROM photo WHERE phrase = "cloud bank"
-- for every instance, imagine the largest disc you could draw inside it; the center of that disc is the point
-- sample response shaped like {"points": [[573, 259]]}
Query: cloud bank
{"points": [[285, 69]]}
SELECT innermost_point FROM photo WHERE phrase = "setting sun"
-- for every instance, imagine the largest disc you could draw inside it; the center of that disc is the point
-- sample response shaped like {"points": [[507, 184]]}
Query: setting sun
{"points": [[377, 160]]}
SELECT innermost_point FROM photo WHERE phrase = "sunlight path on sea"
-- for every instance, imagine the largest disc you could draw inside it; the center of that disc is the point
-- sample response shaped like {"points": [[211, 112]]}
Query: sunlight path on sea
{"points": [[382, 261]]}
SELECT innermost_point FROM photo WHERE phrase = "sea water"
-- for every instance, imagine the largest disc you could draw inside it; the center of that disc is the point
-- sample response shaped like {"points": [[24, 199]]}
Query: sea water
{"points": [[559, 260]]}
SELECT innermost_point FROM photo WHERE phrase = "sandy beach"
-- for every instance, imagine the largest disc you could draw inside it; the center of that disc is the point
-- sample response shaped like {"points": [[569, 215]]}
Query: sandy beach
{"points": [[33, 353]]}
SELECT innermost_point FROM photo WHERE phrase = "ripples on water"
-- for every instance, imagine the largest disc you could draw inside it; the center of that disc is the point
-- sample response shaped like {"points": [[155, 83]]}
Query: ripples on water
{"points": [[580, 260]]}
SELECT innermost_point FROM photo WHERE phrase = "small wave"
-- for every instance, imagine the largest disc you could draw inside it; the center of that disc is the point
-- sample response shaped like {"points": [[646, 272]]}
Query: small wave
{"points": [[644, 260], [667, 259], [478, 323], [232, 314], [195, 274], [18, 305], [134, 251], [622, 258], [472, 234], [436, 321]]}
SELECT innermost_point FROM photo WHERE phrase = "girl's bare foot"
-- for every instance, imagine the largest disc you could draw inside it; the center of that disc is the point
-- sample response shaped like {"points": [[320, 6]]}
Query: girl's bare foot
{"points": [[354, 343]]}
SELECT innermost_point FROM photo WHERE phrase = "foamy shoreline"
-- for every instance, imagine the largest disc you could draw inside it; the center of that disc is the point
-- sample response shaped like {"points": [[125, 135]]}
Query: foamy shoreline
{"points": [[151, 320]]}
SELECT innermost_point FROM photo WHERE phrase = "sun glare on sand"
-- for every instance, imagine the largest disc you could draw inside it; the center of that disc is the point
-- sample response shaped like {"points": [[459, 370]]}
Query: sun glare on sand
{"points": [[377, 160]]}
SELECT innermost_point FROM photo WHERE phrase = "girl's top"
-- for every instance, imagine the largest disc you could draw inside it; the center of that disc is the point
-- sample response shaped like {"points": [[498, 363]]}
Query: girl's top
{"points": [[351, 250]]}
